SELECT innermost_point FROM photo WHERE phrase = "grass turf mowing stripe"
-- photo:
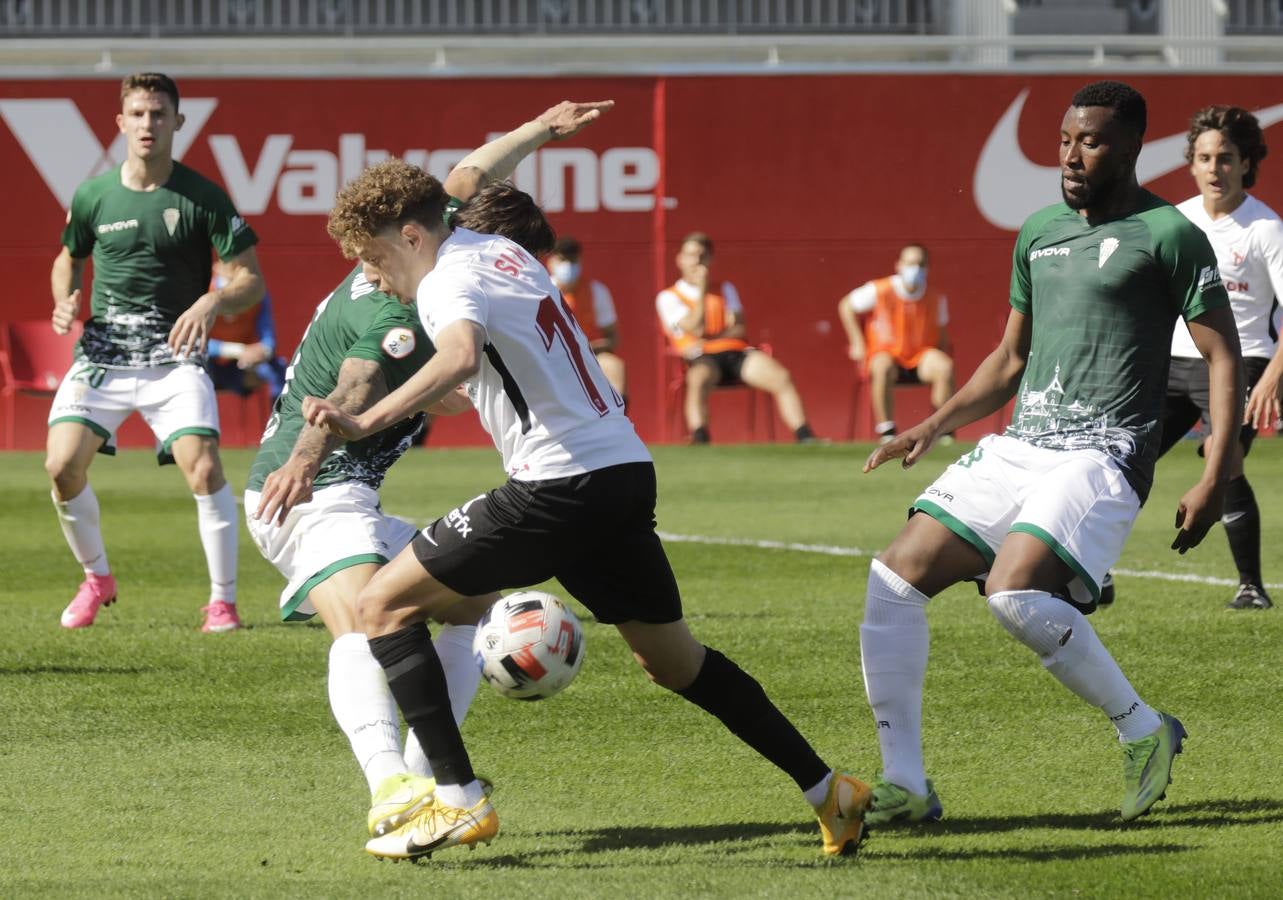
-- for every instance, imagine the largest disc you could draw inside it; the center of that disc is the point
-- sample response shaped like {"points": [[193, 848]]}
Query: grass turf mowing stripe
{"points": [[830, 550]]}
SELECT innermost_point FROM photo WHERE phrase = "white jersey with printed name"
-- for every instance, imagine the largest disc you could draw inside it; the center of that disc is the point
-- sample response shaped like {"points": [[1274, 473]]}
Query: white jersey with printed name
{"points": [[540, 392], [1249, 252]]}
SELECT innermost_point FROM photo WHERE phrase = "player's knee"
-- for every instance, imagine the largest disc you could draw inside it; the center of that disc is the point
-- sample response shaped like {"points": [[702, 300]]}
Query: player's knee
{"points": [[204, 474], [67, 476], [1038, 620], [674, 674], [372, 608]]}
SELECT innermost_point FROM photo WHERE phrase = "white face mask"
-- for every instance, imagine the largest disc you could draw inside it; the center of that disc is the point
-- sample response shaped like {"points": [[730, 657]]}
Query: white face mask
{"points": [[914, 277], [565, 272]]}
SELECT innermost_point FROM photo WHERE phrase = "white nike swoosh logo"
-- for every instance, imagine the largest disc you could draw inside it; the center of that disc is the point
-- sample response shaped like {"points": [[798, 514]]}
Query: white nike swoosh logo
{"points": [[1230, 518], [1008, 188]]}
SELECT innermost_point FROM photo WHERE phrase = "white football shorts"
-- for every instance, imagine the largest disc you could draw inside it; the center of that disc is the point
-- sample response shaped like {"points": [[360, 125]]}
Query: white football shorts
{"points": [[340, 527], [1077, 502], [173, 401]]}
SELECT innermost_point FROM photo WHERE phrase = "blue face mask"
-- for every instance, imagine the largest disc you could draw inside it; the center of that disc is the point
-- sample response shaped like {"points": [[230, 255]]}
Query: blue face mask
{"points": [[564, 271], [914, 277]]}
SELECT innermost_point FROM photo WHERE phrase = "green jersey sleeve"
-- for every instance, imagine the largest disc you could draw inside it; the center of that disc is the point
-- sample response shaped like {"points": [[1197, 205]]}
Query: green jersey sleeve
{"points": [[1186, 257], [1022, 288], [228, 232], [395, 341], [78, 234]]}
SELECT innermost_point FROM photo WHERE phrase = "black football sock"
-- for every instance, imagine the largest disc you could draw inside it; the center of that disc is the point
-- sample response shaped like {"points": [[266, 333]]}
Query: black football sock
{"points": [[733, 696], [418, 683], [1243, 527], [700, 435], [803, 433]]}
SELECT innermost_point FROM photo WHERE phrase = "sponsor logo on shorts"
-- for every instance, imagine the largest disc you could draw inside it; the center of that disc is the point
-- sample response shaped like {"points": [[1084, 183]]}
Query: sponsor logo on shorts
{"points": [[1048, 251], [398, 343], [943, 495], [460, 522]]}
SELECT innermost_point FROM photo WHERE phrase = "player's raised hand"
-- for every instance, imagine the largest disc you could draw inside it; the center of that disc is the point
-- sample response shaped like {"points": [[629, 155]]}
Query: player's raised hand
{"points": [[568, 118], [1263, 408], [285, 489], [907, 447], [65, 312], [1198, 511], [324, 414], [190, 333]]}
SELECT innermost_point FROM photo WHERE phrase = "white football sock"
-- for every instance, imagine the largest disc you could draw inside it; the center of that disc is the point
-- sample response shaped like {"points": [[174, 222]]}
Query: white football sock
{"points": [[1071, 651], [454, 647], [216, 519], [364, 708], [79, 520], [894, 642], [815, 795], [463, 796]]}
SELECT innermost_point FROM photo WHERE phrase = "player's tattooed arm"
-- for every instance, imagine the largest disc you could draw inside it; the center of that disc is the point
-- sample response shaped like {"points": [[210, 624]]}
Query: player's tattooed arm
{"points": [[244, 288], [987, 391], [497, 159], [65, 279], [458, 358], [361, 384], [1216, 337]]}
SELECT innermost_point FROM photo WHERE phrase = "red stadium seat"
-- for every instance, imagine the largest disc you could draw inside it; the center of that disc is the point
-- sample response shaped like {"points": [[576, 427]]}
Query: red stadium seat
{"points": [[676, 398], [33, 360]]}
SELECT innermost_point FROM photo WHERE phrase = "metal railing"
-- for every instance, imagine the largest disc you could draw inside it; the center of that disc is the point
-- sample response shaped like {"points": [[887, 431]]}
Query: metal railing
{"points": [[161, 18]]}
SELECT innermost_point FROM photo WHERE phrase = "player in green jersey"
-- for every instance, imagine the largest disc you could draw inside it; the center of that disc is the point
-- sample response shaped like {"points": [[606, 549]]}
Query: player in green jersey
{"points": [[312, 504], [150, 225], [1041, 512]]}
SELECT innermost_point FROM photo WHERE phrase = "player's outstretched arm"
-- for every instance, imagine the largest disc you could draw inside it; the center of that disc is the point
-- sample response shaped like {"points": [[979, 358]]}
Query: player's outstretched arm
{"points": [[244, 288], [1216, 337], [497, 159], [992, 385], [65, 280], [360, 385], [458, 358]]}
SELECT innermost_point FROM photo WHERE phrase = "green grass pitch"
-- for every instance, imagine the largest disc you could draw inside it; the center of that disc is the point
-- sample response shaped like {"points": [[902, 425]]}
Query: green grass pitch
{"points": [[142, 758]]}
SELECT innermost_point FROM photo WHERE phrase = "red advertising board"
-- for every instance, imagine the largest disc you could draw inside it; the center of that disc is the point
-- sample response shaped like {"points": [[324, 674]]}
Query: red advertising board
{"points": [[808, 184]]}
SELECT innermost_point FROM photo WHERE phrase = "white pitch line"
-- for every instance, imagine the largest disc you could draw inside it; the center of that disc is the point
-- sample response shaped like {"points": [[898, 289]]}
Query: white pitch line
{"points": [[831, 550]]}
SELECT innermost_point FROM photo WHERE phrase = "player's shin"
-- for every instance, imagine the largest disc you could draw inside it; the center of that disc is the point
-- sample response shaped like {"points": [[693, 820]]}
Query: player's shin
{"points": [[364, 708], [418, 683], [726, 691], [216, 519], [894, 644], [1242, 520], [1071, 651], [454, 647], [79, 520]]}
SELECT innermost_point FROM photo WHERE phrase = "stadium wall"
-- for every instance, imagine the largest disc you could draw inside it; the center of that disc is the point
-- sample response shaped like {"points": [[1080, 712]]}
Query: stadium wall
{"points": [[808, 184]]}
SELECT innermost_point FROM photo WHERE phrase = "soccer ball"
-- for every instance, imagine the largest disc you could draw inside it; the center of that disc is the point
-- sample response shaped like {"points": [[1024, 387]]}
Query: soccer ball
{"points": [[529, 645]]}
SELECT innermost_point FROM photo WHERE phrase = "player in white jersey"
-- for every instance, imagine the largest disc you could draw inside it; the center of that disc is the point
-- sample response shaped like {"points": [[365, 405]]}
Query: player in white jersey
{"points": [[1224, 149], [579, 504]]}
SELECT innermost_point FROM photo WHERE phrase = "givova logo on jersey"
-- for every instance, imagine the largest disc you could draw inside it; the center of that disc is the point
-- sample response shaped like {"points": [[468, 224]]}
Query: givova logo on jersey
{"points": [[398, 343]]}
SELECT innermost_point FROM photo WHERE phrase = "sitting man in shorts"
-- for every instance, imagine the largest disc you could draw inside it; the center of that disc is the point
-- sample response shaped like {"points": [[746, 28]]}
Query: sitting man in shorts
{"points": [[704, 322], [903, 340], [312, 504]]}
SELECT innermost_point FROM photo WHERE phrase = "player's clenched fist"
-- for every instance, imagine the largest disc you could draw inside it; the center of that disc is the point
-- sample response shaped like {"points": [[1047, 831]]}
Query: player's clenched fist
{"points": [[65, 312], [324, 414]]}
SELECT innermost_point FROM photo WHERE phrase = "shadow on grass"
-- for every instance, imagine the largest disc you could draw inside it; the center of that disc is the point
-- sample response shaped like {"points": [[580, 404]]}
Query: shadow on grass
{"points": [[1254, 811], [1029, 854], [54, 669]]}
